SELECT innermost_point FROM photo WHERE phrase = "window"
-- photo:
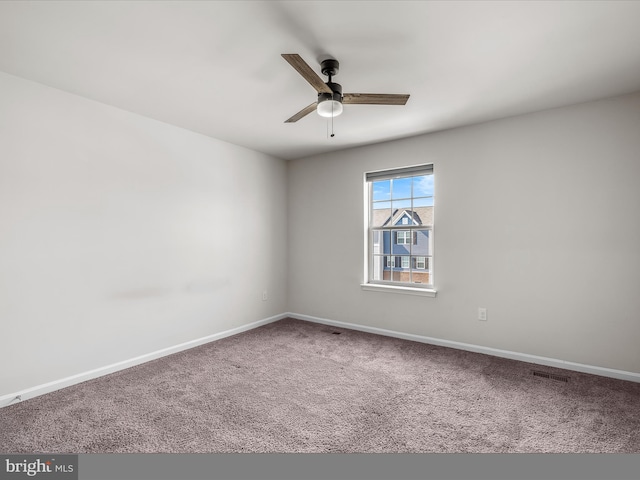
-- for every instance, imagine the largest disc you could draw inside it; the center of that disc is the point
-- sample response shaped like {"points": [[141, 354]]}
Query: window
{"points": [[400, 208], [403, 237]]}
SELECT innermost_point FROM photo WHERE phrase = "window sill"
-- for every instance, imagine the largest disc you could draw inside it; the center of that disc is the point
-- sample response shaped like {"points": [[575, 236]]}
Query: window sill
{"points": [[422, 292]]}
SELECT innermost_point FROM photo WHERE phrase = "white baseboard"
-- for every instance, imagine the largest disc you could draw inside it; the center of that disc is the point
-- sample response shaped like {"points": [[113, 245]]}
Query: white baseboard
{"points": [[38, 390], [523, 357]]}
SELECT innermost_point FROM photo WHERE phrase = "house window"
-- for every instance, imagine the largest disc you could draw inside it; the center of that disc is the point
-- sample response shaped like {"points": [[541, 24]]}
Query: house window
{"points": [[403, 237], [400, 208]]}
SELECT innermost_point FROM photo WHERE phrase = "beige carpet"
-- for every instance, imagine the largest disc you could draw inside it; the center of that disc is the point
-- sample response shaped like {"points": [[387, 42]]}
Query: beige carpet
{"points": [[294, 386]]}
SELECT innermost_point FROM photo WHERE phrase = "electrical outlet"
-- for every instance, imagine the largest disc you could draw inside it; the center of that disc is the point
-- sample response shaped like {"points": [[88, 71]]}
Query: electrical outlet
{"points": [[264, 296], [482, 314]]}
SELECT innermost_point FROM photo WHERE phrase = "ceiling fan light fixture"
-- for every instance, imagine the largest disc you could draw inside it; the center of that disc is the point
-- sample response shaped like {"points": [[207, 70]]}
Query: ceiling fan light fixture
{"points": [[330, 104], [329, 108]]}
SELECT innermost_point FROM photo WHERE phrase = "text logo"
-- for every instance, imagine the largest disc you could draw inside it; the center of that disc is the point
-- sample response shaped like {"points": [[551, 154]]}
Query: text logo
{"points": [[58, 467]]}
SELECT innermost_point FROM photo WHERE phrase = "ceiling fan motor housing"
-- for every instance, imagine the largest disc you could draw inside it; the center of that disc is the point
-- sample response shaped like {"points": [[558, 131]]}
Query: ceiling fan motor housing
{"points": [[330, 67], [336, 88]]}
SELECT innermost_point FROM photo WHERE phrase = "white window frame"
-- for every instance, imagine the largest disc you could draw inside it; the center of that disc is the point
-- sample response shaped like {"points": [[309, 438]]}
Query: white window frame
{"points": [[406, 237], [419, 262], [388, 286]]}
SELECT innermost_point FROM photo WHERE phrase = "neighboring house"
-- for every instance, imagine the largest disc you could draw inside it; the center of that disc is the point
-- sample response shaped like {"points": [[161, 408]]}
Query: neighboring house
{"points": [[404, 255]]}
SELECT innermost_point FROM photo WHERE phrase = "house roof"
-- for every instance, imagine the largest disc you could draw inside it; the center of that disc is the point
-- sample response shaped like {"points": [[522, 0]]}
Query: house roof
{"points": [[420, 215]]}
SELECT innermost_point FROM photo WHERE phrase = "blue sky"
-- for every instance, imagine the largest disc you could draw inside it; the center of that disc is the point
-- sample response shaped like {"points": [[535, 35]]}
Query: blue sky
{"points": [[398, 192]]}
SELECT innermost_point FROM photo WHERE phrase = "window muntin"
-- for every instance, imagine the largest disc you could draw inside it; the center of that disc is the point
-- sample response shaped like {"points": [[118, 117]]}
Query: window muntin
{"points": [[400, 205]]}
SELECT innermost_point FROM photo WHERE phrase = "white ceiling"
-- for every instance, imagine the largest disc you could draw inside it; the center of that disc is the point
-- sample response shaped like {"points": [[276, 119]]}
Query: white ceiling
{"points": [[215, 67]]}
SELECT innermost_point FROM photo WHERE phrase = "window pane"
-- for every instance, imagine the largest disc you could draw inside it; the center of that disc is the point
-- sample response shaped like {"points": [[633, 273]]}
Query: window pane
{"points": [[401, 188], [422, 247], [382, 190], [378, 267], [377, 242], [419, 263], [397, 274], [401, 245], [423, 202], [423, 216], [380, 214], [420, 276], [419, 270], [423, 186], [386, 241], [380, 242]]}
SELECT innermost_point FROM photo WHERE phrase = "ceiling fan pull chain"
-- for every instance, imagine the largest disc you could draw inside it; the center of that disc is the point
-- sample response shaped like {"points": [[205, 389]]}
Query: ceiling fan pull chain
{"points": [[332, 134]]}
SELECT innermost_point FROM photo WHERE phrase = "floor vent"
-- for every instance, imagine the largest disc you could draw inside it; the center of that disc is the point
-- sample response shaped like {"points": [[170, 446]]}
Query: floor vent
{"points": [[550, 376]]}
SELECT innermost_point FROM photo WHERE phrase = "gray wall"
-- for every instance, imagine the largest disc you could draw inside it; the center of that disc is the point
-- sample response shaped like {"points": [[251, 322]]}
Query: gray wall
{"points": [[536, 218], [118, 235]]}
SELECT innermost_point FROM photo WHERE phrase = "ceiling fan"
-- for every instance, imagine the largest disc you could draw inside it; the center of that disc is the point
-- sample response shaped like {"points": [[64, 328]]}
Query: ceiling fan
{"points": [[330, 97]]}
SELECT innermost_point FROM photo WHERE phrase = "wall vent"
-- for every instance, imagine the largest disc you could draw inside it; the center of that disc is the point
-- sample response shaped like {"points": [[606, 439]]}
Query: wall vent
{"points": [[550, 376]]}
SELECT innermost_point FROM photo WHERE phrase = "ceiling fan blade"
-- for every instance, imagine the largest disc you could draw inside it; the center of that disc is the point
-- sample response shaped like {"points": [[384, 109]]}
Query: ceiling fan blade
{"points": [[307, 72], [302, 113], [374, 99]]}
